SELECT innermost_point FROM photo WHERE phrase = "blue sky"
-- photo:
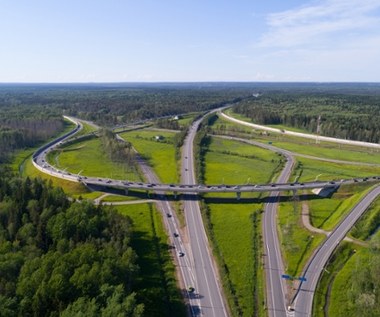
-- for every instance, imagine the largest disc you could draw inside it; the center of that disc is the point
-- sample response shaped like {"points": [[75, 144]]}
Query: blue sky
{"points": [[189, 40]]}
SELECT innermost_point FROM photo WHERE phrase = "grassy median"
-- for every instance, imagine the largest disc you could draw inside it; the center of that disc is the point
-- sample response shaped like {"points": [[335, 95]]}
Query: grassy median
{"points": [[234, 227]]}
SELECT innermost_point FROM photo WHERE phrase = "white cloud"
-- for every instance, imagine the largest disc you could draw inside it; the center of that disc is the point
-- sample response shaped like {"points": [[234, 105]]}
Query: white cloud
{"points": [[320, 22]]}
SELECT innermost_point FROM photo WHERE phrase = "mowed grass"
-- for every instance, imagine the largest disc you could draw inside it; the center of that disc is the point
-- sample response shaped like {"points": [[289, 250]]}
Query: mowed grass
{"points": [[70, 188], [89, 158], [307, 146], [236, 240], [333, 171], [233, 162], [159, 154], [156, 285], [327, 213], [342, 268], [87, 128], [186, 120], [297, 242]]}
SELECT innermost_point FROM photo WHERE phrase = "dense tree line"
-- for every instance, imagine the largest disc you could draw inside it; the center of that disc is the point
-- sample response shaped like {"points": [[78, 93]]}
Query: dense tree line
{"points": [[21, 127], [354, 117], [109, 105], [59, 258]]}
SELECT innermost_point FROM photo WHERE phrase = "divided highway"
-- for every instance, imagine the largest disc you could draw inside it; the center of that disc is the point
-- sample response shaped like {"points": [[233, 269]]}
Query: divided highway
{"points": [[274, 267], [182, 252], [207, 285], [193, 253]]}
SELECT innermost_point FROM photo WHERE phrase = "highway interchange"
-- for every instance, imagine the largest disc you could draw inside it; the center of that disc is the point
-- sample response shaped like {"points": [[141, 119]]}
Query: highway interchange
{"points": [[198, 272]]}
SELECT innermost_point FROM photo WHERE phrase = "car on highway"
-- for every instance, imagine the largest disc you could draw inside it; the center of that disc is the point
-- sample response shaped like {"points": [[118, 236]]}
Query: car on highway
{"points": [[175, 234], [169, 215], [190, 289], [181, 254]]}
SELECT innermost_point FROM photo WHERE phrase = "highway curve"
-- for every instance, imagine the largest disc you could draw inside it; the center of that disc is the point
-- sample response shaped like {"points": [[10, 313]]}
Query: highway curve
{"points": [[276, 292], [196, 263], [303, 301]]}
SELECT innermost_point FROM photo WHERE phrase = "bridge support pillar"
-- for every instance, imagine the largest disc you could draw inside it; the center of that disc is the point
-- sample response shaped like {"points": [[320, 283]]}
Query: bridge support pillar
{"points": [[294, 193], [238, 195], [175, 195], [126, 191], [148, 194]]}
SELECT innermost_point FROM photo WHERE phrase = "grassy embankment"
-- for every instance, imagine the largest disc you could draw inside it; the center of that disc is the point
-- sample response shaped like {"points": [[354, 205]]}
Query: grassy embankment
{"points": [[156, 285], [234, 228], [333, 287], [88, 158], [160, 155], [298, 243], [329, 150], [22, 164], [238, 116], [332, 292]]}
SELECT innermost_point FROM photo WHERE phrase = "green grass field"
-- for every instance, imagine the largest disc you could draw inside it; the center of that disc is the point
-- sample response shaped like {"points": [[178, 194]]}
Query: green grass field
{"points": [[341, 303], [234, 232], [70, 188], [306, 146], [297, 242], [156, 285], [88, 156], [159, 154], [87, 128], [334, 288], [369, 222], [322, 297], [325, 213], [233, 162], [187, 119]]}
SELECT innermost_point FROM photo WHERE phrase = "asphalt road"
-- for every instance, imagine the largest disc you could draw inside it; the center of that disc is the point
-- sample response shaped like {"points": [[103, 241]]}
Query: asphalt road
{"points": [[196, 263], [207, 285], [182, 251], [301, 135], [273, 265], [303, 301]]}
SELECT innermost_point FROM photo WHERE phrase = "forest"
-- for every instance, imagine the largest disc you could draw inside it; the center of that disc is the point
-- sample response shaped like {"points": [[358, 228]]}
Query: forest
{"points": [[23, 127], [62, 258], [348, 116], [65, 258]]}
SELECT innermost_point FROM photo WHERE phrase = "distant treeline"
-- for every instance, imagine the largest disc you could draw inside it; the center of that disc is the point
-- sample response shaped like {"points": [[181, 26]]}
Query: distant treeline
{"points": [[353, 117], [110, 105], [21, 127]]}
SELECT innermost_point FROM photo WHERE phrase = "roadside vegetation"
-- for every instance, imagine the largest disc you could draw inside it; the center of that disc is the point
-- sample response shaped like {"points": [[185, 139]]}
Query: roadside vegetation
{"points": [[156, 285], [234, 227], [299, 145], [347, 116], [297, 242], [160, 152], [91, 159]]}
